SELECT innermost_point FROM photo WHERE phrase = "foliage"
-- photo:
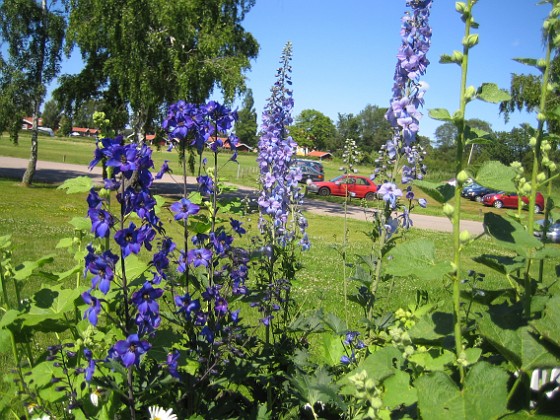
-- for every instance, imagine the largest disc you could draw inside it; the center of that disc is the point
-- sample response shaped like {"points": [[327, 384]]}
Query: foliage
{"points": [[314, 130], [148, 53], [246, 124]]}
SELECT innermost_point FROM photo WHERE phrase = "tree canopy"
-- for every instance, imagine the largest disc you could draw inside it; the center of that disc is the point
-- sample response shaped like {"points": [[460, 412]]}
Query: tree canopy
{"points": [[151, 52], [314, 129], [246, 124]]}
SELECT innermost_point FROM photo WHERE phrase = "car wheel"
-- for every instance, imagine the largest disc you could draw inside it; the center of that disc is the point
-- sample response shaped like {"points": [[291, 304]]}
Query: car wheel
{"points": [[324, 191], [478, 198], [537, 209], [498, 204], [370, 196]]}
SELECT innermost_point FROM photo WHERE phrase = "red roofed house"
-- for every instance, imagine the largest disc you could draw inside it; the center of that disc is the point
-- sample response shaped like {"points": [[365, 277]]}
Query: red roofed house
{"points": [[320, 155], [84, 132], [27, 123]]}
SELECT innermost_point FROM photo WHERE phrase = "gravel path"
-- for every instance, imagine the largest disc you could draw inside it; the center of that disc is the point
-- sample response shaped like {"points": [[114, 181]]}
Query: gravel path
{"points": [[58, 172]]}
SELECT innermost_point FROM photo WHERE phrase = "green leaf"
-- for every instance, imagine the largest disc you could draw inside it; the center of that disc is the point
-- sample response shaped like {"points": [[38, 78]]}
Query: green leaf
{"points": [[417, 258], [79, 184], [518, 345], [484, 395], [26, 269], [65, 243], [511, 234], [479, 140], [5, 341], [433, 359], [530, 62], [440, 114], [500, 263], [490, 92], [398, 390], [51, 304], [81, 223], [330, 349], [432, 328], [134, 267], [442, 193], [380, 364], [496, 175], [549, 325]]}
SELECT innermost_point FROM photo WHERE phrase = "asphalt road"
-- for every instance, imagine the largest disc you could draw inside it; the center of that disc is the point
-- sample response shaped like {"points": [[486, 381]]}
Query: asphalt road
{"points": [[54, 172]]}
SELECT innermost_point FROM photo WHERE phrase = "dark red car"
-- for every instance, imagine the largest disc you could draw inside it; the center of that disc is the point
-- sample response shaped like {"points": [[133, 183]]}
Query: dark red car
{"points": [[510, 200], [346, 185]]}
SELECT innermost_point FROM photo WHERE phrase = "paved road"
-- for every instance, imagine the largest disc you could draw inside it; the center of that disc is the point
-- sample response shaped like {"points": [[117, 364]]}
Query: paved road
{"points": [[169, 184]]}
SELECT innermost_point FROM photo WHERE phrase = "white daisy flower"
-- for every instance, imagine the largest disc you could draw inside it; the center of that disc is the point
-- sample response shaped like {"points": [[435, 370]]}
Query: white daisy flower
{"points": [[158, 413]]}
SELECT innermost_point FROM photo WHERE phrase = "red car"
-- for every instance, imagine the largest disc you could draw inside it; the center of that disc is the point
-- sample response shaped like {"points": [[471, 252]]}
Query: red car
{"points": [[346, 185], [510, 200]]}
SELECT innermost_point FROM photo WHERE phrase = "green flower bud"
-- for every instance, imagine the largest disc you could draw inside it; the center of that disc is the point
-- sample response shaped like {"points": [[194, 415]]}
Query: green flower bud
{"points": [[541, 177], [526, 188], [552, 166], [470, 92], [541, 116], [448, 210], [460, 7], [470, 40], [465, 236], [457, 56], [533, 141], [463, 177]]}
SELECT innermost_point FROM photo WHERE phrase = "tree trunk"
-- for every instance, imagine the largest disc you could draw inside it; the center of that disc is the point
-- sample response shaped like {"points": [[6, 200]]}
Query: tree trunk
{"points": [[32, 164]]}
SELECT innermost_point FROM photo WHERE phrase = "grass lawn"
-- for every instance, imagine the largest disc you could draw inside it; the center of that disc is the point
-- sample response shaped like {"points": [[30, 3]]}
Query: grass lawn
{"points": [[245, 172]]}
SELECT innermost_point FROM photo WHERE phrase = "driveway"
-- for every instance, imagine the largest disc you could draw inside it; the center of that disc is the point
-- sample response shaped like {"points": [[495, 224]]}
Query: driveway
{"points": [[55, 172]]}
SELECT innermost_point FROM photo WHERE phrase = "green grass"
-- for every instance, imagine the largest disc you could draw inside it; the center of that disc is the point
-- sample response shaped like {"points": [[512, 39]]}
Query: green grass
{"points": [[37, 218]]}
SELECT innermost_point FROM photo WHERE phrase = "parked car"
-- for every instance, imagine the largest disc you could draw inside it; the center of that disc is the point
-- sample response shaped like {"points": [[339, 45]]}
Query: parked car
{"points": [[346, 185], [311, 170], [476, 191], [510, 200], [552, 233]]}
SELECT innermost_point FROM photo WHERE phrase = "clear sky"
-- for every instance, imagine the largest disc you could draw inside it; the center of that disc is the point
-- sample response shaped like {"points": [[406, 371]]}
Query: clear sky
{"points": [[344, 53]]}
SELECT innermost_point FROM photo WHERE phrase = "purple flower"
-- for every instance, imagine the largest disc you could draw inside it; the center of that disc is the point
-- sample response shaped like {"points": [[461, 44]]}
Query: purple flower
{"points": [[205, 185], [423, 202], [390, 193], [130, 350], [123, 159], [236, 226], [91, 313], [101, 222], [183, 209], [145, 299], [102, 267], [129, 240], [187, 305], [199, 256], [172, 363], [90, 369], [164, 169]]}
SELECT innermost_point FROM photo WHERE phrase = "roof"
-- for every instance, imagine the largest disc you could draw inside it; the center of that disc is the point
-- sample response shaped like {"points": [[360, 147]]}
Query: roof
{"points": [[317, 153]]}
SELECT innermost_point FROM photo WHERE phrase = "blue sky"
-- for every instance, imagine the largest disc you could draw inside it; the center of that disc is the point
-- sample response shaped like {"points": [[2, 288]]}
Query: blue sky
{"points": [[344, 53]]}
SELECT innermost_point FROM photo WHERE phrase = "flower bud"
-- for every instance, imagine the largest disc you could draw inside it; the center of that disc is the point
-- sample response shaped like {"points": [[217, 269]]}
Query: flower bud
{"points": [[541, 116], [526, 188], [541, 177], [552, 166], [533, 141], [463, 177], [460, 7], [465, 236], [448, 210], [470, 92], [470, 40]]}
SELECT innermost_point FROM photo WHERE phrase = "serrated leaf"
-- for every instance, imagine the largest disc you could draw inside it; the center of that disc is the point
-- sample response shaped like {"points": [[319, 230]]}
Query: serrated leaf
{"points": [[442, 193], [484, 394], [381, 364], [549, 325], [440, 114], [51, 304], [432, 328], [490, 92], [511, 234], [518, 345], [134, 267], [433, 359], [417, 259], [529, 62], [80, 184], [496, 175], [478, 140]]}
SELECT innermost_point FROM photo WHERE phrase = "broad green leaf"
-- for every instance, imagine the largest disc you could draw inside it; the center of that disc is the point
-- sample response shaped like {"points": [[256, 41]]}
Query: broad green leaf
{"points": [[440, 114], [26, 269], [433, 359], [490, 92], [8, 318], [484, 395], [319, 387], [432, 328], [65, 243], [51, 304], [479, 140], [511, 234], [500, 263], [79, 184], [417, 258], [381, 363], [530, 62], [472, 354], [334, 323], [517, 345], [496, 175], [549, 325], [330, 349], [134, 267], [442, 193], [81, 223], [398, 390]]}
